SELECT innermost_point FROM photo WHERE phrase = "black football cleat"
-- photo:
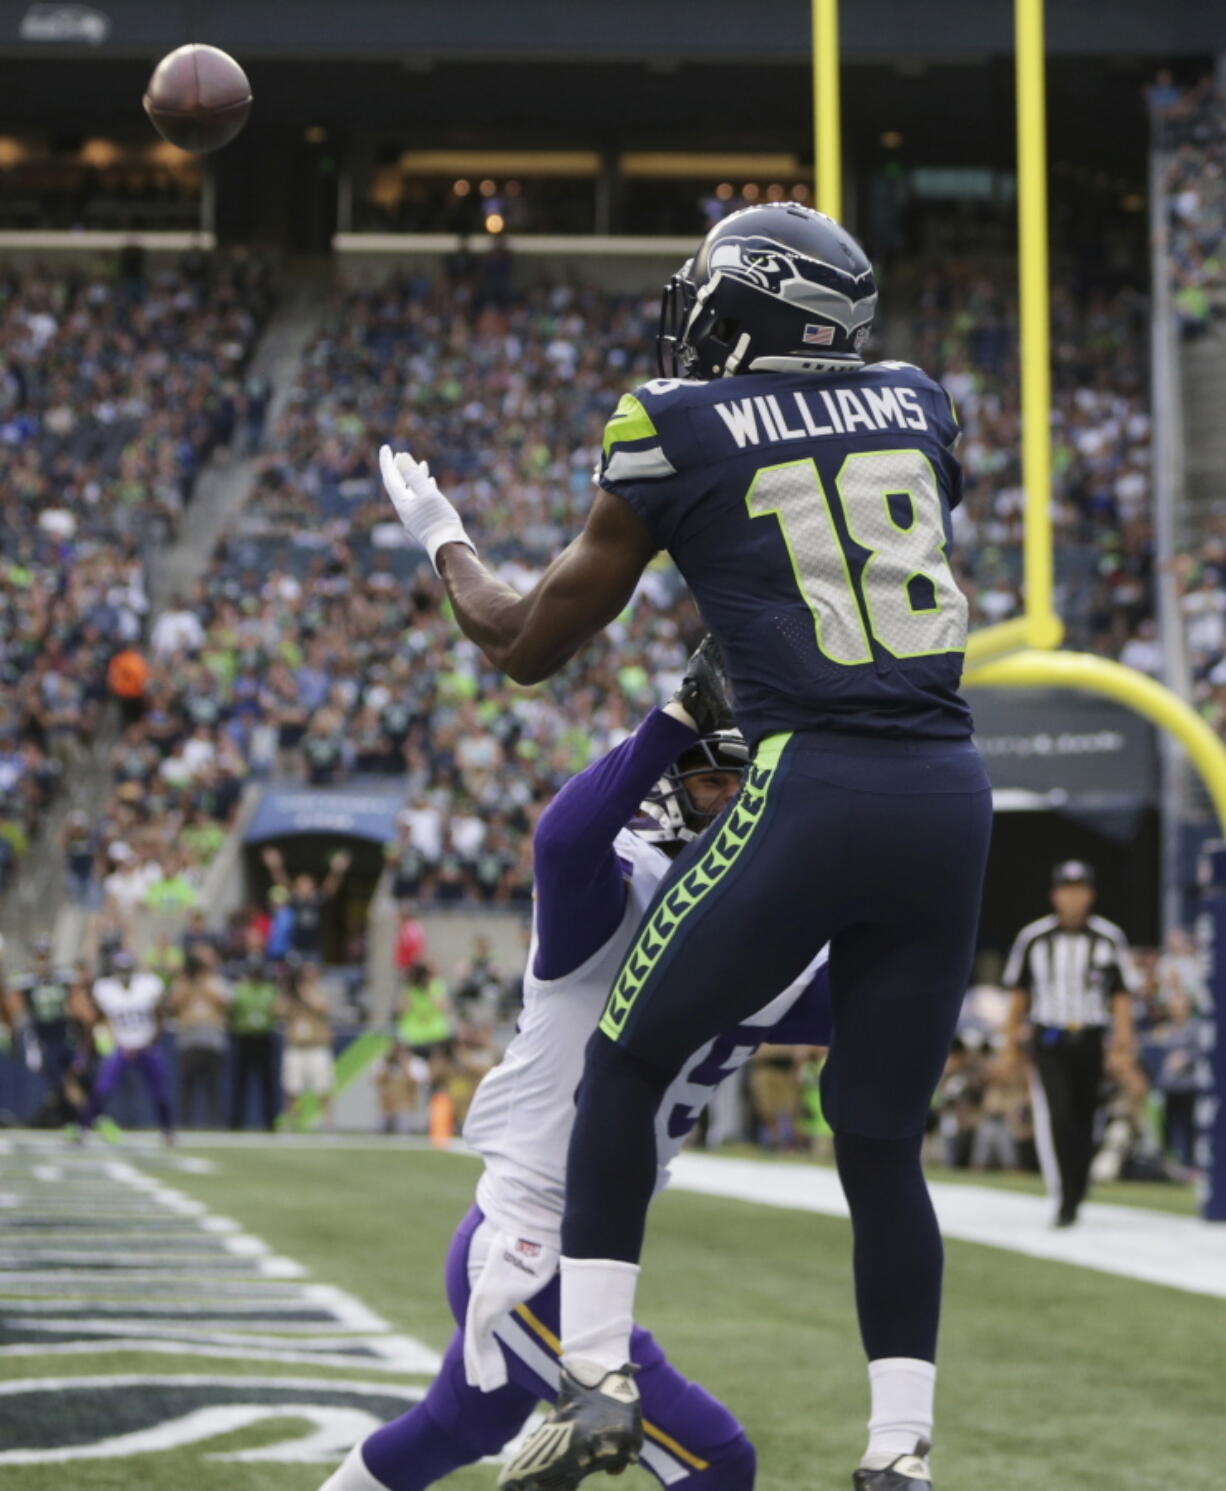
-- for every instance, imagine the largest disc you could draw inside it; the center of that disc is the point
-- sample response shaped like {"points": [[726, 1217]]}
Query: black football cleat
{"points": [[906, 1473], [596, 1428]]}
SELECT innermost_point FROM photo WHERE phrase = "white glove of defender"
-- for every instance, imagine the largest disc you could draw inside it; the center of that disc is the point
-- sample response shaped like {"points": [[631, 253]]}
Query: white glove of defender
{"points": [[425, 512]]}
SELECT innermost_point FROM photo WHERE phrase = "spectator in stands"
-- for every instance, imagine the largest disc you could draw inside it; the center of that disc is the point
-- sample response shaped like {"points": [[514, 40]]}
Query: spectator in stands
{"points": [[1180, 1041], [127, 677], [1181, 970], [197, 939], [306, 1064], [425, 1020], [775, 1088], [175, 890], [199, 1002], [471, 1057], [253, 1040], [402, 1081], [410, 941], [112, 407], [1002, 1124], [165, 959], [406, 855], [478, 986], [303, 930], [79, 846], [958, 1102]]}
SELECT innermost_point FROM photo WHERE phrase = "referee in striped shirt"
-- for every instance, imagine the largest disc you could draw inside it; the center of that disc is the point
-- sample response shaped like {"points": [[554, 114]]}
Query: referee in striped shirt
{"points": [[1072, 979]]}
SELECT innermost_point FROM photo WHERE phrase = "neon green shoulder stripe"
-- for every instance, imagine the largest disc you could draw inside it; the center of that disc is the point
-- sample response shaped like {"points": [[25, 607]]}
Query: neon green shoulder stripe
{"points": [[629, 421]]}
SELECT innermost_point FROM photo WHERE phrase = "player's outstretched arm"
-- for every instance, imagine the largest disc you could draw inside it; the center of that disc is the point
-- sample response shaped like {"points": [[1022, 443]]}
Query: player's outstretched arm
{"points": [[529, 637], [578, 879]]}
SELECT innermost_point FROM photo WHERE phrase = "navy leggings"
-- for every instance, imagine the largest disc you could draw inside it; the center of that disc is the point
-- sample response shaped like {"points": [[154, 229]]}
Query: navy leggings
{"points": [[877, 847]]}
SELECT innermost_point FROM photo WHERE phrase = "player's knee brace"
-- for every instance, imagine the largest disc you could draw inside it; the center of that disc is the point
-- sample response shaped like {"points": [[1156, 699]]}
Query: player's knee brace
{"points": [[734, 1470]]}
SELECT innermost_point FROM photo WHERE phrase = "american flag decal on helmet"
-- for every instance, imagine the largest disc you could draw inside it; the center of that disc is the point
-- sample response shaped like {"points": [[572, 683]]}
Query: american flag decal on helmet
{"points": [[818, 336]]}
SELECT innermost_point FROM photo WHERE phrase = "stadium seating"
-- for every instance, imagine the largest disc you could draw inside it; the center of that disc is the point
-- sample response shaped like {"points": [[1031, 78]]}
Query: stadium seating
{"points": [[319, 647], [113, 392]]}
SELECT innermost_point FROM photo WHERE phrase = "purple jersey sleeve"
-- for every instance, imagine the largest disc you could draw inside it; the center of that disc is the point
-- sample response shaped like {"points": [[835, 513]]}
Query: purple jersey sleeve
{"points": [[580, 889]]}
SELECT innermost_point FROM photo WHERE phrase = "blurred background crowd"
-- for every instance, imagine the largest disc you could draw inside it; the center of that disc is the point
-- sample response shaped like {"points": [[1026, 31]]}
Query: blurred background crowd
{"points": [[316, 646]]}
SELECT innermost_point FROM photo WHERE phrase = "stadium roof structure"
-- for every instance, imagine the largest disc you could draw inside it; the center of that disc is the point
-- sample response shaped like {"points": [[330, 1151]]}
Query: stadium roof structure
{"points": [[632, 30]]}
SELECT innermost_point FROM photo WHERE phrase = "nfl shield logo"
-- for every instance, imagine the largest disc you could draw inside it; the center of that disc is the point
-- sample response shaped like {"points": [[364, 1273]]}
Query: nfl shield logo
{"points": [[528, 1249], [818, 336]]}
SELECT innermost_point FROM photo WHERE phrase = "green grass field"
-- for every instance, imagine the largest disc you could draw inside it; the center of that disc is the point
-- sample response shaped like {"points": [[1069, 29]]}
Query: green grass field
{"points": [[1051, 1376]]}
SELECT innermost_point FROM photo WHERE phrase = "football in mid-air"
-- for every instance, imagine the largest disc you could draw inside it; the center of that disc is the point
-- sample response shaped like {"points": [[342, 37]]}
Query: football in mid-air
{"points": [[198, 98]]}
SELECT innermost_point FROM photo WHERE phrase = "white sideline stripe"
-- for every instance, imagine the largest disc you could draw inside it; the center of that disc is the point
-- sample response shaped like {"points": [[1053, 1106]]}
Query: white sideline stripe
{"points": [[1152, 1246]]}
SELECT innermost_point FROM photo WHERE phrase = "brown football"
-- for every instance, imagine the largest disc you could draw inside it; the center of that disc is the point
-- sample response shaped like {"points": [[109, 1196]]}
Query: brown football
{"points": [[198, 98]]}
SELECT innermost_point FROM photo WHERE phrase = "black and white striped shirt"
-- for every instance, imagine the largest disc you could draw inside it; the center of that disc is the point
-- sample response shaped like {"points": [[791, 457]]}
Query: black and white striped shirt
{"points": [[1070, 975]]}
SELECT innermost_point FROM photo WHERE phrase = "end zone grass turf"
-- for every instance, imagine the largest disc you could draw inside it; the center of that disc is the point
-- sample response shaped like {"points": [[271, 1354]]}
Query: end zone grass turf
{"points": [[1051, 1376]]}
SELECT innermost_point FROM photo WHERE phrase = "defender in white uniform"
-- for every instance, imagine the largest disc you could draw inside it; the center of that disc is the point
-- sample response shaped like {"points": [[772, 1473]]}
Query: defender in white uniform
{"points": [[595, 878]]}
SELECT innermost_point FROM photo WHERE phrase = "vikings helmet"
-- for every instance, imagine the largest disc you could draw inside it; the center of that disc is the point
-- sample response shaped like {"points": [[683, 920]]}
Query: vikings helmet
{"points": [[669, 815], [773, 289]]}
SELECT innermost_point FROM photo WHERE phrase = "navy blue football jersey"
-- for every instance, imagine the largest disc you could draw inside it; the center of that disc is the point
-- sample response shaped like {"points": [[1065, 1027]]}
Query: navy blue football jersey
{"points": [[810, 516]]}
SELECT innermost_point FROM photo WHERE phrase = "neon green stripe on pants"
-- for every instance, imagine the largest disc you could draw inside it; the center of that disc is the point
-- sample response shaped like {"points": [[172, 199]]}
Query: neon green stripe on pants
{"points": [[693, 887]]}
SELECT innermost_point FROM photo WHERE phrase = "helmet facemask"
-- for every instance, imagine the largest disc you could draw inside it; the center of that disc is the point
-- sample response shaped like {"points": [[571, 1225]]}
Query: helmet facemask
{"points": [[671, 818], [673, 353]]}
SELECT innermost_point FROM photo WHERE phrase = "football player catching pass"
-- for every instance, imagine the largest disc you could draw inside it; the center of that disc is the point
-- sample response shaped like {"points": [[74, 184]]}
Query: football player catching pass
{"points": [[806, 499], [597, 860]]}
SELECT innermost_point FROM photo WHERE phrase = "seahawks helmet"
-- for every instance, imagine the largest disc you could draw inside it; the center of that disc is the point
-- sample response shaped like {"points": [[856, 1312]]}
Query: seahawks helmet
{"points": [[772, 289], [669, 816]]}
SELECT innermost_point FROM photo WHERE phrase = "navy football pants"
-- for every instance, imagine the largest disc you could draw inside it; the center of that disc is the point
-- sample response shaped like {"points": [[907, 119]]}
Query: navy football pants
{"points": [[879, 848]]}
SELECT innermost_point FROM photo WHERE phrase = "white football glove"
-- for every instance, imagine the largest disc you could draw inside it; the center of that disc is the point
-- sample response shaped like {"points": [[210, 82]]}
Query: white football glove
{"points": [[425, 512]]}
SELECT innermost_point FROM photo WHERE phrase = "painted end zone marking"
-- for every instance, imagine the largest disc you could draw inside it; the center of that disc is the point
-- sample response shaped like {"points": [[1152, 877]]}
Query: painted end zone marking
{"points": [[334, 1426], [1153, 1247]]}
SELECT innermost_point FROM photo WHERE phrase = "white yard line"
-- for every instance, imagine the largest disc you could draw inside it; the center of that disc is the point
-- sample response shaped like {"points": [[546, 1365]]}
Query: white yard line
{"points": [[227, 1268], [1152, 1246]]}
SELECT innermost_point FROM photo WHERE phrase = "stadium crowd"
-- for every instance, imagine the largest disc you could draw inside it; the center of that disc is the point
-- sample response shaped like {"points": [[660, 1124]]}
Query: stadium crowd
{"points": [[318, 645], [113, 392], [240, 1025], [1190, 125], [245, 1032]]}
